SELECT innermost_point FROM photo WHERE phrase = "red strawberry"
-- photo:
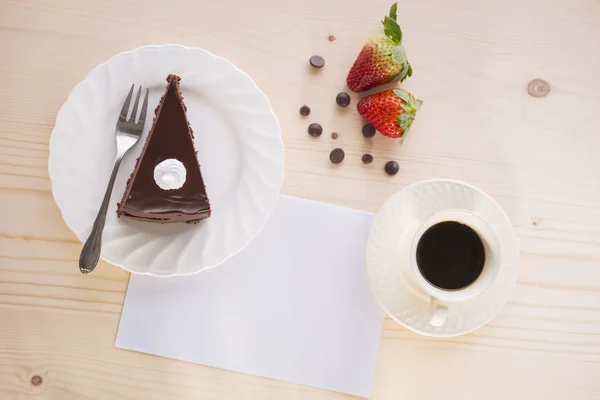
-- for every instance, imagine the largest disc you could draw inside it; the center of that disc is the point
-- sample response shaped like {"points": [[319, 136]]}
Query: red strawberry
{"points": [[391, 112], [382, 59]]}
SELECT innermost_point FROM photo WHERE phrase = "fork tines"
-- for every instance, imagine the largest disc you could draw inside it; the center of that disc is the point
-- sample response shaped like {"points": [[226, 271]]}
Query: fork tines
{"points": [[125, 110]]}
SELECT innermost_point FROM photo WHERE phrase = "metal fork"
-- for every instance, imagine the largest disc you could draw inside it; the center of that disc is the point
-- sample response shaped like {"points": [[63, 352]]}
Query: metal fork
{"points": [[128, 133]]}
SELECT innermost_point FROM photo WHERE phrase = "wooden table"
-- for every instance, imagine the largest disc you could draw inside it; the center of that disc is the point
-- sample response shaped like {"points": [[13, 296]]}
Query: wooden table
{"points": [[538, 157]]}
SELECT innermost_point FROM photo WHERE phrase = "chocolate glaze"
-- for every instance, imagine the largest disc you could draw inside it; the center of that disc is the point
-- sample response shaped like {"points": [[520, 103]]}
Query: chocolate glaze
{"points": [[169, 137]]}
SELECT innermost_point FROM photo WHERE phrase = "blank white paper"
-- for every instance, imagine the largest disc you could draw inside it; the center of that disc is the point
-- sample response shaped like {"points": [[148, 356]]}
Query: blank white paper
{"points": [[294, 305]]}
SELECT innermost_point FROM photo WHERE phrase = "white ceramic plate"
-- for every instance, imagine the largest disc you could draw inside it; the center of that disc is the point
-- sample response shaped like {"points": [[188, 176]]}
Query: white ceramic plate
{"points": [[389, 266], [239, 146]]}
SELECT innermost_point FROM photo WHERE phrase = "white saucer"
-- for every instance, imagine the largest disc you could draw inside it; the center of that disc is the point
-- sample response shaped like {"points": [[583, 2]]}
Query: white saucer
{"points": [[239, 146], [388, 261]]}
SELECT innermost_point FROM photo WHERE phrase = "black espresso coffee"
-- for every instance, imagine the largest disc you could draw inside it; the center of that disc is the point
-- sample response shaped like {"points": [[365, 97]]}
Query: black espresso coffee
{"points": [[450, 255]]}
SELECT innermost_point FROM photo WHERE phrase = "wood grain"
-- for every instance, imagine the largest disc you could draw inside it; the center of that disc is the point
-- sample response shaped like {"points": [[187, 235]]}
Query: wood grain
{"points": [[538, 157]]}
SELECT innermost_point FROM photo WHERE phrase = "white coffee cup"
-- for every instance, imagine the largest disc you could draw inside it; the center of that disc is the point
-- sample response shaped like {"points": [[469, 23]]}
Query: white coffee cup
{"points": [[441, 299]]}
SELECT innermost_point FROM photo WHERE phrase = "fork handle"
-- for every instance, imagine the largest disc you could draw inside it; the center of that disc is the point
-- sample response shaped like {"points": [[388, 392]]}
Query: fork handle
{"points": [[90, 254]]}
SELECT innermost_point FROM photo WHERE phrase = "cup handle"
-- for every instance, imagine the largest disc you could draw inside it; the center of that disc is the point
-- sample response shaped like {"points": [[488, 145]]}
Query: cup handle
{"points": [[439, 312]]}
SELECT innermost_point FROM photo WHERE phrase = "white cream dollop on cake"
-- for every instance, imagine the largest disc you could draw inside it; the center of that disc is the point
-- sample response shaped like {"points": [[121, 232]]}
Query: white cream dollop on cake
{"points": [[169, 174]]}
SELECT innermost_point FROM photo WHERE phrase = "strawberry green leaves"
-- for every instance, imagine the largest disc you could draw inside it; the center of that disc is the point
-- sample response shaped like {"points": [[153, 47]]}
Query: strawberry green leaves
{"points": [[409, 100], [404, 120], [418, 103], [402, 94], [410, 105], [391, 27], [399, 54], [404, 73], [394, 11]]}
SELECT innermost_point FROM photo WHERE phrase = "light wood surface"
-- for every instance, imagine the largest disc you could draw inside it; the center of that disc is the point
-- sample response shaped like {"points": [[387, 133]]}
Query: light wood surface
{"points": [[538, 157]]}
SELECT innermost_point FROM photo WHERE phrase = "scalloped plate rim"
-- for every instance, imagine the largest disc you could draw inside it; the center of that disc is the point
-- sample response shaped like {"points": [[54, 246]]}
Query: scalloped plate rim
{"points": [[270, 210]]}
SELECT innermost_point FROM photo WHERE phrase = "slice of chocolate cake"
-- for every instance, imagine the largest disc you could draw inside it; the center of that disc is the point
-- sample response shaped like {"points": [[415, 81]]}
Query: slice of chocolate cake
{"points": [[166, 184]]}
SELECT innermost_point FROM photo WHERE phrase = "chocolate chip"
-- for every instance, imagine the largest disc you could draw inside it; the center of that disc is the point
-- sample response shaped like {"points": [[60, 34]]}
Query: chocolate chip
{"points": [[342, 99], [337, 156], [334, 135], [317, 61], [367, 158], [331, 38], [368, 131], [304, 111], [315, 130], [392, 168]]}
